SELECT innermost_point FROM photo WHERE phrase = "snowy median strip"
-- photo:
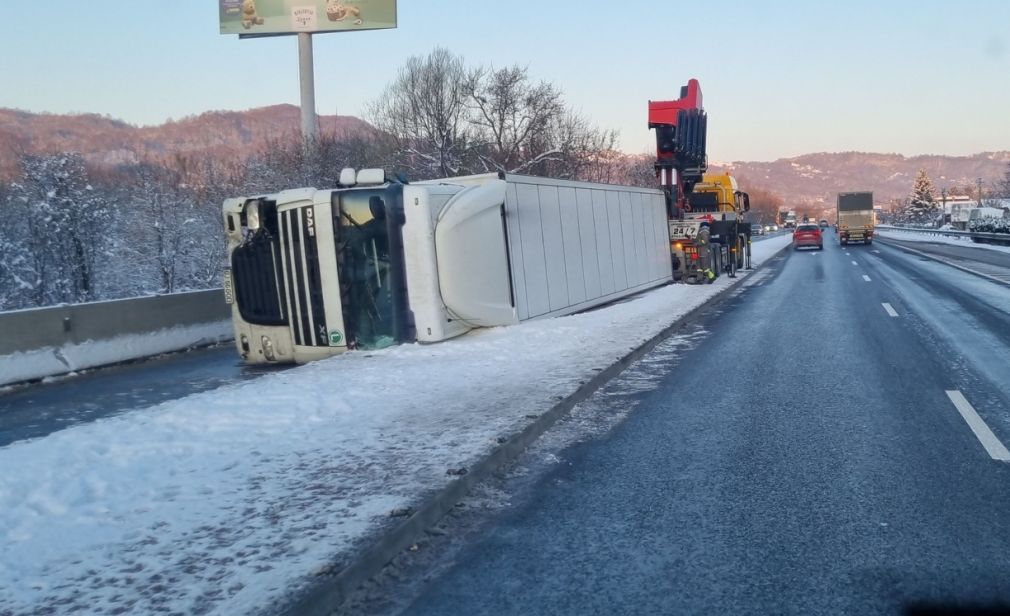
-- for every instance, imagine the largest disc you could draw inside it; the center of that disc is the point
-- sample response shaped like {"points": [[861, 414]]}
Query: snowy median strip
{"points": [[236, 500]]}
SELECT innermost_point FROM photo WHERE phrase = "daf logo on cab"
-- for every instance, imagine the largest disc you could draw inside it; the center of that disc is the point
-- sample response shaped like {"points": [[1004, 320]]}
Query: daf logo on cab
{"points": [[310, 222]]}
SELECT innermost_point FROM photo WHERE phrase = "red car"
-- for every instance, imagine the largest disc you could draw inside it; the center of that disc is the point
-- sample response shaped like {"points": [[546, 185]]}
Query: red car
{"points": [[808, 234]]}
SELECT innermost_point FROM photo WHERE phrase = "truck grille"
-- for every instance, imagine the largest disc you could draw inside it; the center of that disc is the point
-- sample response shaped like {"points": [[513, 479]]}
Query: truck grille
{"points": [[302, 281], [254, 270]]}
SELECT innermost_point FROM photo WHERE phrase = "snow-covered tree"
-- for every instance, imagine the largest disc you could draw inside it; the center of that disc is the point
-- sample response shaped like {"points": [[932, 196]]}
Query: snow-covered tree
{"points": [[172, 235], [60, 231], [923, 195]]}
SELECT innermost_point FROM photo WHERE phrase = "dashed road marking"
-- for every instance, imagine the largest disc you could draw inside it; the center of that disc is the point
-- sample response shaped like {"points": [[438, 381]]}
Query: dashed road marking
{"points": [[854, 263], [875, 251], [866, 278], [890, 309], [993, 446]]}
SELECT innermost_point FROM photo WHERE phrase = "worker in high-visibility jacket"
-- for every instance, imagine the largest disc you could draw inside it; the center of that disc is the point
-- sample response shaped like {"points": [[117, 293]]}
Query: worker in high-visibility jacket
{"points": [[706, 259]]}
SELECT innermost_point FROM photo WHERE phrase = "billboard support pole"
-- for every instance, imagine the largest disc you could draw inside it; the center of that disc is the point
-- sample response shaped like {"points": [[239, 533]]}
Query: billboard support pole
{"points": [[306, 76]]}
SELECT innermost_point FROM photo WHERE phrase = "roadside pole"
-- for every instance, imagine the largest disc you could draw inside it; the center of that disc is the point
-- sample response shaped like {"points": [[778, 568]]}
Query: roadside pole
{"points": [[306, 74]]}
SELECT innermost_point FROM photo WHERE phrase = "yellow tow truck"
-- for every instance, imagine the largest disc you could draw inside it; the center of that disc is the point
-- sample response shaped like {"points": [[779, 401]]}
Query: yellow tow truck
{"points": [[711, 235]]}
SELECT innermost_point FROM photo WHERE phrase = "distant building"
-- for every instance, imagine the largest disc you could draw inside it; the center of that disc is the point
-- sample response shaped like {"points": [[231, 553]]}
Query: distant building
{"points": [[958, 209]]}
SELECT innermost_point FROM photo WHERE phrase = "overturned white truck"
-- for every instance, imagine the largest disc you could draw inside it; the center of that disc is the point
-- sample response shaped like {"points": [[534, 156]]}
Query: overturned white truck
{"points": [[374, 262]]}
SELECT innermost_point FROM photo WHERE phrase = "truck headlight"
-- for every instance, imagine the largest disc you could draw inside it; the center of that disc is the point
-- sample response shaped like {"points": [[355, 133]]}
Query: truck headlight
{"points": [[252, 216], [268, 348]]}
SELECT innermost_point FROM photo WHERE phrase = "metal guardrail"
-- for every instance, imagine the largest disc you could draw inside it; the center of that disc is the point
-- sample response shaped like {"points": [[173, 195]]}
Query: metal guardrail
{"points": [[993, 237]]}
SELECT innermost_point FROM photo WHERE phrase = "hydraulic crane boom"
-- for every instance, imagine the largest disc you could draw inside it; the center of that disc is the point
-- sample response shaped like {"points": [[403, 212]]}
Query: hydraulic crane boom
{"points": [[680, 145]]}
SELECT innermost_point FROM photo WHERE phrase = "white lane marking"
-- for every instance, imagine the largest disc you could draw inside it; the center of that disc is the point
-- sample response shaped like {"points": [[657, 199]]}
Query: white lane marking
{"points": [[866, 278], [993, 446], [876, 251], [854, 263], [890, 309]]}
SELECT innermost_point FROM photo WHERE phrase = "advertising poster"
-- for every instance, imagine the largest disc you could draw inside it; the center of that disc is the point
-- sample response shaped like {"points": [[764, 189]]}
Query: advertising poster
{"points": [[278, 17]]}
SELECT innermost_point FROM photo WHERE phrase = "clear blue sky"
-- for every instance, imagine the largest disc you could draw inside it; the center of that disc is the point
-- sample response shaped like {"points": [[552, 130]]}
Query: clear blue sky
{"points": [[780, 78]]}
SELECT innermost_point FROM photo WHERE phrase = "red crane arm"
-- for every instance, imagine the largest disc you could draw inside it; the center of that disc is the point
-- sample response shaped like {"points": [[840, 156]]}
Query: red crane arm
{"points": [[681, 161]]}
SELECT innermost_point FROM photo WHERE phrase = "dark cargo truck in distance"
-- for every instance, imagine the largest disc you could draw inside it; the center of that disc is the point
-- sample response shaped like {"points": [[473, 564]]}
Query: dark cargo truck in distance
{"points": [[855, 217]]}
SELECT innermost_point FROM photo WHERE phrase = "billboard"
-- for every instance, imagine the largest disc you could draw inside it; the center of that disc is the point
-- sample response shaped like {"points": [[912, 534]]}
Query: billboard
{"points": [[249, 18]]}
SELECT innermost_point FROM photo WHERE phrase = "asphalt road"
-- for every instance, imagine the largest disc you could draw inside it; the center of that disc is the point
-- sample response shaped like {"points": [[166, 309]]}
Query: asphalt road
{"points": [[985, 261], [40, 409], [804, 458]]}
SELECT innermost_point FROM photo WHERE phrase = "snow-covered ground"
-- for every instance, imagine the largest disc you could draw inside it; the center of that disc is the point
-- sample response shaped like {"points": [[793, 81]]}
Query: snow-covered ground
{"points": [[912, 236], [228, 501], [49, 361]]}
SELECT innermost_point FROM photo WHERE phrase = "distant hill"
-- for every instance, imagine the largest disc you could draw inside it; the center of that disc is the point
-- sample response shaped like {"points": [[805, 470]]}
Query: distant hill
{"points": [[106, 141], [816, 178], [233, 135]]}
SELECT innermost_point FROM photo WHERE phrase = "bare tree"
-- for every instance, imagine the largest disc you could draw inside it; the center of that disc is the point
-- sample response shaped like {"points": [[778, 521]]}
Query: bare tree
{"points": [[511, 116], [425, 111], [1002, 188]]}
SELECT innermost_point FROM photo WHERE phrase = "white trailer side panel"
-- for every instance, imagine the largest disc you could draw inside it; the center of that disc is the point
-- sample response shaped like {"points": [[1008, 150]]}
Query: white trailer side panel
{"points": [[533, 275], [587, 237], [604, 256], [554, 248], [617, 240], [575, 245]]}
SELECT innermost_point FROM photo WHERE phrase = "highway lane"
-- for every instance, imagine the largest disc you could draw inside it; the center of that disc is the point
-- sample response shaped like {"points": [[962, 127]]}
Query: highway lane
{"points": [[40, 409], [833, 474]]}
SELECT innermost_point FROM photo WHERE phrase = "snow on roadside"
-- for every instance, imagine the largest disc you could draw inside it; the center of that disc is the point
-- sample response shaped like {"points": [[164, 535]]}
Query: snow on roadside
{"points": [[912, 236], [227, 501], [50, 361]]}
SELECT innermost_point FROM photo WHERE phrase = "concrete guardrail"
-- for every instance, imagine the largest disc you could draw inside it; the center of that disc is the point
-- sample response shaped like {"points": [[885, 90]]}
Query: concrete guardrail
{"points": [[58, 339], [991, 237]]}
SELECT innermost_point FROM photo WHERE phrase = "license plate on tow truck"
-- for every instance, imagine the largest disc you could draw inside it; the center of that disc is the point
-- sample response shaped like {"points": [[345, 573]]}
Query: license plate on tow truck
{"points": [[683, 230]]}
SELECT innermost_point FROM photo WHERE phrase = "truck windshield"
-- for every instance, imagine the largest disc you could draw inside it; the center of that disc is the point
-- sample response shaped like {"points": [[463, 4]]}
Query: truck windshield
{"points": [[370, 258]]}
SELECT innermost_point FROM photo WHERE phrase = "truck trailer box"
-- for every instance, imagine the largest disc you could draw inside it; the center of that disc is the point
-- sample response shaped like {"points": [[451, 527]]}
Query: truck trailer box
{"points": [[508, 248], [855, 216]]}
